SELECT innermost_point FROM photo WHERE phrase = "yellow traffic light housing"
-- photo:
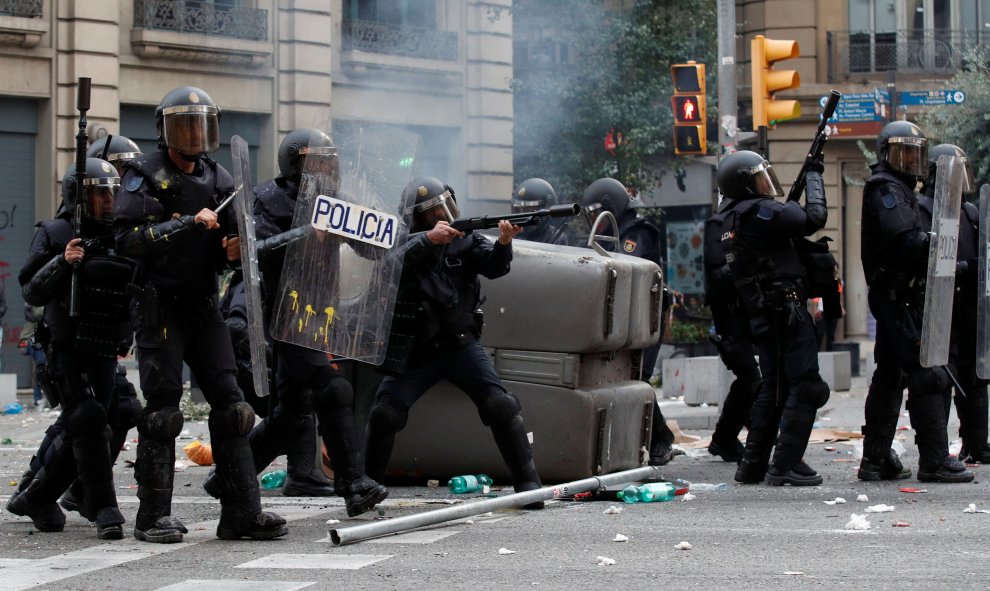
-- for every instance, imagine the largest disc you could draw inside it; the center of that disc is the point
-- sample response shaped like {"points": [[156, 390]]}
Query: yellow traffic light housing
{"points": [[688, 105], [768, 111]]}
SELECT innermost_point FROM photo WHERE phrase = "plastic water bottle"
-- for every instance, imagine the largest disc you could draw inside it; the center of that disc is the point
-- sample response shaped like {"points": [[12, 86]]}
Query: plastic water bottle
{"points": [[651, 492], [468, 483], [273, 479], [708, 487]]}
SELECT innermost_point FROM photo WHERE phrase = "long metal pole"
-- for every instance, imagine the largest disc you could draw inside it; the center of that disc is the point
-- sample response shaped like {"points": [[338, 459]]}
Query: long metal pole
{"points": [[727, 105], [349, 535]]}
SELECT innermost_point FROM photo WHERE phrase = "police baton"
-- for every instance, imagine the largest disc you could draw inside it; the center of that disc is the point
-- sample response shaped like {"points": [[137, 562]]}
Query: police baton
{"points": [[223, 204]]}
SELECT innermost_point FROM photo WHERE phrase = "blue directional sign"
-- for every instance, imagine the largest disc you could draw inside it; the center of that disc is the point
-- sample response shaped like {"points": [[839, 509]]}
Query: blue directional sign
{"points": [[860, 106], [932, 97]]}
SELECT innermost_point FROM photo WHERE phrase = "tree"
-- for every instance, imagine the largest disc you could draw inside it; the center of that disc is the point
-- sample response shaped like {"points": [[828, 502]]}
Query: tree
{"points": [[966, 125], [584, 69]]}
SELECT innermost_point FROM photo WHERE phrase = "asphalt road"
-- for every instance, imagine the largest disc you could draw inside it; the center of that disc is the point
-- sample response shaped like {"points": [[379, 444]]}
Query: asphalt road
{"points": [[746, 537]]}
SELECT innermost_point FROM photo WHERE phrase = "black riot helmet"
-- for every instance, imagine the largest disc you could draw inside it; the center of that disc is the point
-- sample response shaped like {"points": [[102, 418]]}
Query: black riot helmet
{"points": [[902, 146], [99, 190], [746, 175], [950, 150], [188, 121], [606, 194], [532, 195], [120, 150], [429, 200], [301, 145]]}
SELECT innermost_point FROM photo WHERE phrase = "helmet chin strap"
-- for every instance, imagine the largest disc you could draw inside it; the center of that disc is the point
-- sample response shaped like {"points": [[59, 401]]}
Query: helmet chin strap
{"points": [[188, 157]]}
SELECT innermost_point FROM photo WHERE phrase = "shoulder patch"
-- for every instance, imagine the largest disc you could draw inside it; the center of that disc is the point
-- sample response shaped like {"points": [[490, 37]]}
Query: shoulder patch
{"points": [[765, 212], [134, 183], [889, 200], [629, 245]]}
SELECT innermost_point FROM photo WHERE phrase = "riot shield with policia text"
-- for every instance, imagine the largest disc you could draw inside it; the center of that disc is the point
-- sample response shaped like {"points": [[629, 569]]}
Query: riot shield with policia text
{"points": [[339, 281], [983, 289], [936, 327], [244, 204]]}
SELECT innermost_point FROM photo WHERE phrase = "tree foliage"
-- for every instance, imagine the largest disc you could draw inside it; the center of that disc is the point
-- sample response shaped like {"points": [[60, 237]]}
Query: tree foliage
{"points": [[966, 125], [583, 69]]}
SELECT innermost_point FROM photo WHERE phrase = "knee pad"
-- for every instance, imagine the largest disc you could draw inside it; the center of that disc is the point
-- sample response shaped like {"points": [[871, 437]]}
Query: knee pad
{"points": [[928, 382], [87, 417], [385, 418], [338, 393], [499, 407], [164, 424], [231, 421], [813, 391]]}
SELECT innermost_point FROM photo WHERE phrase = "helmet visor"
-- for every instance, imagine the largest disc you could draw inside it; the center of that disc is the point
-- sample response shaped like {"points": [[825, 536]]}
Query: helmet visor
{"points": [[440, 208], [908, 155], [192, 129], [764, 180], [100, 193], [523, 206]]}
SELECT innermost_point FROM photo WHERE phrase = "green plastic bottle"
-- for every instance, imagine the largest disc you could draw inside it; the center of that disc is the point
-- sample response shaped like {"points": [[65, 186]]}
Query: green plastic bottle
{"points": [[651, 492], [468, 483], [273, 479]]}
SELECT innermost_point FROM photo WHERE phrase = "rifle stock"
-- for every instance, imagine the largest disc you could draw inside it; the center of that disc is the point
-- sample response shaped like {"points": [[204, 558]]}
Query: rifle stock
{"points": [[529, 218], [82, 105], [817, 146]]}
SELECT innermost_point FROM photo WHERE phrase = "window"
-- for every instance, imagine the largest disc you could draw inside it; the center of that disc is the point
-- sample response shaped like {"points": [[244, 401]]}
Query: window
{"points": [[409, 13]]}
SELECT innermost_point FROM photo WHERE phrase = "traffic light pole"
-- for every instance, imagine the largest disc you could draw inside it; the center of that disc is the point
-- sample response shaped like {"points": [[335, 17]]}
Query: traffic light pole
{"points": [[727, 100], [762, 143]]}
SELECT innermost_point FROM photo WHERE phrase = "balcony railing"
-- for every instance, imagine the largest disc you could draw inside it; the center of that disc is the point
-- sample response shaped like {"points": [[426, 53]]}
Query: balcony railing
{"points": [[22, 8], [202, 17], [859, 53], [399, 40]]}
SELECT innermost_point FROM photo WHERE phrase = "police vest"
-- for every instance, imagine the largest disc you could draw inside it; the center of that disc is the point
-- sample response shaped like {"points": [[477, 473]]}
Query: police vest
{"points": [[897, 211]]}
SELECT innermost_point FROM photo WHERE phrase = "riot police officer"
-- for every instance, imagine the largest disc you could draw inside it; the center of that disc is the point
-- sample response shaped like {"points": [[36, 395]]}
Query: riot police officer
{"points": [[165, 221], [119, 151], [770, 280], [436, 330], [533, 195], [305, 380], [638, 238], [82, 353], [971, 403], [733, 339], [895, 246]]}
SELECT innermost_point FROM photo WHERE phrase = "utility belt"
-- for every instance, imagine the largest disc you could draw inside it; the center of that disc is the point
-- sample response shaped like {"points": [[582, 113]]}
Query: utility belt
{"points": [[761, 294], [149, 300]]}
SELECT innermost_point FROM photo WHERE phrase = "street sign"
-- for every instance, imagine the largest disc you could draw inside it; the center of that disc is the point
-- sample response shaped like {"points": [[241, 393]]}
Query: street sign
{"points": [[861, 106], [852, 129], [932, 97]]}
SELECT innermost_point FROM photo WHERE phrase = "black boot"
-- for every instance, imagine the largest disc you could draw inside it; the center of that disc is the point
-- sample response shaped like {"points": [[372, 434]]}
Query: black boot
{"points": [[661, 440], [74, 500], [948, 471], [975, 453], [109, 524], [513, 444], [880, 462], [154, 472], [799, 474], [361, 491], [240, 500], [788, 463], [734, 415], [305, 478], [756, 456], [47, 517], [95, 471]]}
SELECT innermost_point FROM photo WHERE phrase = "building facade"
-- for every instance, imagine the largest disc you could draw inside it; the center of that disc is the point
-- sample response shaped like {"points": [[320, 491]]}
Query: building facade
{"points": [[440, 68], [855, 46]]}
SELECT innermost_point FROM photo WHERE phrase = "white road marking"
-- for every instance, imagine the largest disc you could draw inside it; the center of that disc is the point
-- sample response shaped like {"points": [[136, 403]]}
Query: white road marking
{"points": [[203, 585], [315, 561], [413, 537]]}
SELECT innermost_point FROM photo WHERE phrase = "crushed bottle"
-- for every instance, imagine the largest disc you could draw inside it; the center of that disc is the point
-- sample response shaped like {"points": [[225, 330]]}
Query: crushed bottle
{"points": [[273, 479], [651, 492]]}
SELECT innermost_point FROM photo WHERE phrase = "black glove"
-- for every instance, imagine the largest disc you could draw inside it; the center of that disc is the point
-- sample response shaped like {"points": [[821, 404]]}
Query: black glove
{"points": [[816, 165]]}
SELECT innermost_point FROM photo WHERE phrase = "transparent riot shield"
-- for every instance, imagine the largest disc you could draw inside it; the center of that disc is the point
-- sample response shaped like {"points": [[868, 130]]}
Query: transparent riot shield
{"points": [[936, 327], [244, 206], [983, 289], [339, 281]]}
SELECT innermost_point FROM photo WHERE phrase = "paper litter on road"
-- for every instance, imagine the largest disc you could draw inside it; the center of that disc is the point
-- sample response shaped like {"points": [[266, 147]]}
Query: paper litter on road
{"points": [[881, 508], [862, 499], [972, 509], [612, 510], [504, 551], [683, 546], [333, 521], [858, 522], [793, 572], [620, 538], [688, 496], [604, 561], [836, 501]]}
